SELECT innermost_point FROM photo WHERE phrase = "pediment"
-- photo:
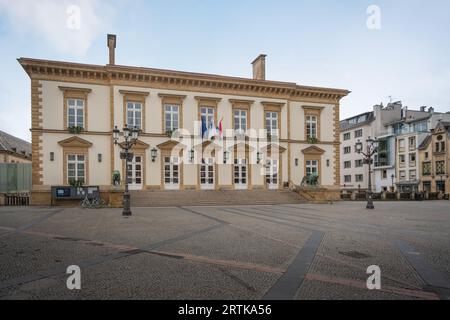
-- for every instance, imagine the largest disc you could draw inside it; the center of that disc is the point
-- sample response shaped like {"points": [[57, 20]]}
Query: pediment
{"points": [[208, 145], [313, 150], [273, 148], [242, 146], [170, 145], [140, 145], [75, 142]]}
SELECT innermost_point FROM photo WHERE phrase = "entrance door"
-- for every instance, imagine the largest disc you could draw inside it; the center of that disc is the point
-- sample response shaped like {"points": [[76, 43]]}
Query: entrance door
{"points": [[135, 173], [171, 173], [240, 174], [207, 174], [272, 173]]}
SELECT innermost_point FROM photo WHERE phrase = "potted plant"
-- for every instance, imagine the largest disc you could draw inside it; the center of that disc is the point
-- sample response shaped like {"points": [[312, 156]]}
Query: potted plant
{"points": [[312, 140], [76, 129], [169, 133]]}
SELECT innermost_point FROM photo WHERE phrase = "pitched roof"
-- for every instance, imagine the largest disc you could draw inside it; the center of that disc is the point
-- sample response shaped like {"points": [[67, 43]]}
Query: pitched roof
{"points": [[15, 145], [347, 124], [425, 143]]}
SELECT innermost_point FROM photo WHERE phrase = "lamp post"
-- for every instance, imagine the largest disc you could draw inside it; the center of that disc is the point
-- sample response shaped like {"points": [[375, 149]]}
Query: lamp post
{"points": [[393, 177], [130, 139], [372, 145]]}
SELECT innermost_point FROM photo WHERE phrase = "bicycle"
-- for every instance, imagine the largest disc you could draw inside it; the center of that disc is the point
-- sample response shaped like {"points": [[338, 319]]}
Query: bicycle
{"points": [[95, 203]]}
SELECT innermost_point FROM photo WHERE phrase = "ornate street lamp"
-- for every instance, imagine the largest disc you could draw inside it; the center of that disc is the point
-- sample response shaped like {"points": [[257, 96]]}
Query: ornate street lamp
{"points": [[130, 136], [372, 146], [392, 178]]}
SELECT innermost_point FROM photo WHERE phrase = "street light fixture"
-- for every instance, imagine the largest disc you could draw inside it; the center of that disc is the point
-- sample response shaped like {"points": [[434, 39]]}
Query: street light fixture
{"points": [[372, 146], [226, 155], [154, 154], [130, 136], [392, 178]]}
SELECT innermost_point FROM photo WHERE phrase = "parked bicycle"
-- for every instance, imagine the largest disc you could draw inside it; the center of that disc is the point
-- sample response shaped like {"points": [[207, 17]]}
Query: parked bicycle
{"points": [[93, 201]]}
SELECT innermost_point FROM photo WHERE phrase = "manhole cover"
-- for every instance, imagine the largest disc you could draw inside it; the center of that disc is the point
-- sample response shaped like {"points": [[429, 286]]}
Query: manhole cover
{"points": [[355, 254]]}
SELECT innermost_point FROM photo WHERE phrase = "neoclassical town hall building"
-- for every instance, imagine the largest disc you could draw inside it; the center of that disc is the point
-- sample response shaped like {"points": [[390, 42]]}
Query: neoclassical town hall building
{"points": [[274, 133]]}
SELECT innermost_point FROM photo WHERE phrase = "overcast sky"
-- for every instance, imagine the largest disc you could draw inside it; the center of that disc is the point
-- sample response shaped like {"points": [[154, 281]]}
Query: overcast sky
{"points": [[404, 55]]}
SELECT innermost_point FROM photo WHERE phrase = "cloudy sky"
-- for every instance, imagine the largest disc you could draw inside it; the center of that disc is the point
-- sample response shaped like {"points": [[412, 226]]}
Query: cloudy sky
{"points": [[404, 55]]}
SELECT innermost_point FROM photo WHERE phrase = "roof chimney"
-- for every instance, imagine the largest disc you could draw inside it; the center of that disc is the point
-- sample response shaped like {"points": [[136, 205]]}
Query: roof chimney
{"points": [[259, 67], [112, 48]]}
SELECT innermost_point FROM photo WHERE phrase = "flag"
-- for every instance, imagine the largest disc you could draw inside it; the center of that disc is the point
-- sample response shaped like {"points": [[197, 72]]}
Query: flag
{"points": [[221, 129], [204, 128], [211, 131]]}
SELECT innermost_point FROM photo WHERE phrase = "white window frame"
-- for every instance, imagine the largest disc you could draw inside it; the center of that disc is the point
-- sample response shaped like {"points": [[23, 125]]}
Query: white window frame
{"points": [[136, 109], [171, 110], [209, 116], [310, 166], [272, 123], [240, 120], [75, 160], [78, 113], [311, 126]]}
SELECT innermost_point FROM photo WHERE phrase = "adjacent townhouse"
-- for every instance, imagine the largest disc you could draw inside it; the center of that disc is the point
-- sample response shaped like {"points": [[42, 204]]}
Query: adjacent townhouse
{"points": [[401, 134], [434, 156], [13, 149], [354, 173]]}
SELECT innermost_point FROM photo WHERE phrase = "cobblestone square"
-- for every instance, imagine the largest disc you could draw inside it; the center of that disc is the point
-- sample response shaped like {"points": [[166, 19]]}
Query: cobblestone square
{"points": [[290, 252]]}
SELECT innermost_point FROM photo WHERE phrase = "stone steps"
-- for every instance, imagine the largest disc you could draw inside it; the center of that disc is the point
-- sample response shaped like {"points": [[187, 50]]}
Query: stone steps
{"points": [[211, 198]]}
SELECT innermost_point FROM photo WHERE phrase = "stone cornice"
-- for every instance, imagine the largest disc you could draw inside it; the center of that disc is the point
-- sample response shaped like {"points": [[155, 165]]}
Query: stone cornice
{"points": [[146, 77]]}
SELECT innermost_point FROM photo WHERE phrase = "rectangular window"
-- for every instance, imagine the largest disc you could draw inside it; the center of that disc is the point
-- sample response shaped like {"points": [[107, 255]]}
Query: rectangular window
{"points": [[347, 164], [311, 127], [359, 178], [359, 163], [426, 155], [402, 175], [134, 115], [312, 167], [426, 168], [440, 146], [440, 167], [412, 159], [384, 175], [412, 143], [348, 178], [172, 117], [347, 150], [207, 116], [76, 168], [427, 186], [412, 174], [358, 133], [272, 123], [240, 120], [347, 136], [402, 160], [401, 145], [75, 113]]}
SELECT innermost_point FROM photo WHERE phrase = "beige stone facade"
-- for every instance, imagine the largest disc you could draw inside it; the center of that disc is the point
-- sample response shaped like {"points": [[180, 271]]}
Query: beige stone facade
{"points": [[98, 98], [434, 158]]}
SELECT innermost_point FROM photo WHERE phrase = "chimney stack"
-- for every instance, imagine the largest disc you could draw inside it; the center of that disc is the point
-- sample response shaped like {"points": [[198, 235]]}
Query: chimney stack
{"points": [[112, 48], [259, 67]]}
